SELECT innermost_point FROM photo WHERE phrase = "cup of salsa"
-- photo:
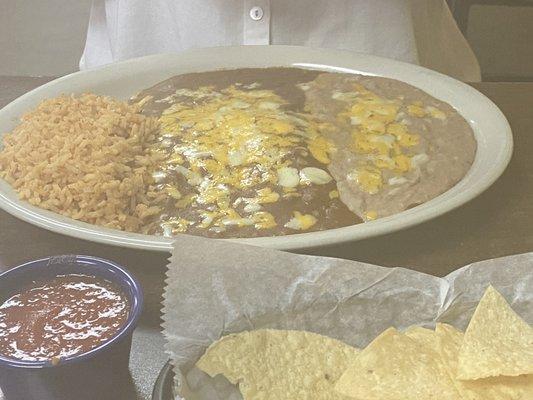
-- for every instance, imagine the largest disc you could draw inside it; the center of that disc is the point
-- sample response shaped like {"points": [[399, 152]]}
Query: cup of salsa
{"points": [[66, 325]]}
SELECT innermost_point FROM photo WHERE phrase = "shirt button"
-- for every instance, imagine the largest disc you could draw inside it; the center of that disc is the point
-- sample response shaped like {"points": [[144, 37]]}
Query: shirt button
{"points": [[256, 13]]}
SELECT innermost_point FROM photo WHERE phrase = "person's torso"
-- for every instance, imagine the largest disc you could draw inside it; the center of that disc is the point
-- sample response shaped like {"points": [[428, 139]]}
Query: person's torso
{"points": [[139, 27], [416, 31]]}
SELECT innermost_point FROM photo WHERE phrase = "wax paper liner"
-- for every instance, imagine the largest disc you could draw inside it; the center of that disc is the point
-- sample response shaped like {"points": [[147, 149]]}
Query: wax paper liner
{"points": [[215, 288]]}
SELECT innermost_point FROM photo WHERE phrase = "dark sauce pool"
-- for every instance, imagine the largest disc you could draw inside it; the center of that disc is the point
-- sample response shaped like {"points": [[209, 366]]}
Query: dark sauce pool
{"points": [[311, 199], [57, 318]]}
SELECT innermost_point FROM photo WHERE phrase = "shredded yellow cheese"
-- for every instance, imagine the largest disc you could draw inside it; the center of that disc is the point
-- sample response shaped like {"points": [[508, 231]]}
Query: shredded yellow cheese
{"points": [[380, 135], [236, 140]]}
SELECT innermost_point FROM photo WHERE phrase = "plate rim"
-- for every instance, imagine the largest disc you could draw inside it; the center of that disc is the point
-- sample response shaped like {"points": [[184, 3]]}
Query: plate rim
{"points": [[298, 241]]}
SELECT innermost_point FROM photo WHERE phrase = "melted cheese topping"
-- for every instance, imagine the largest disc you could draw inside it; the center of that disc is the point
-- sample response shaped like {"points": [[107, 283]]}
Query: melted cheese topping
{"points": [[380, 134], [301, 222], [234, 139]]}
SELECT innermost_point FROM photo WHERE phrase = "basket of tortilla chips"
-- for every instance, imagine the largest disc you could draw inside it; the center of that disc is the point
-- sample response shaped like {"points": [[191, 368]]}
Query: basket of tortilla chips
{"points": [[249, 323]]}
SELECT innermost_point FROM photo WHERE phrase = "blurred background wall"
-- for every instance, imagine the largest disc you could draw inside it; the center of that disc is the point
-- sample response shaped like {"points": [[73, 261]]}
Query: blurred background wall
{"points": [[42, 37], [501, 36]]}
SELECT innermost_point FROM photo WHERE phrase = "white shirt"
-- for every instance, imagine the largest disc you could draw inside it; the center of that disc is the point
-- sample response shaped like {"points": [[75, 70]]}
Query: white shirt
{"points": [[416, 31]]}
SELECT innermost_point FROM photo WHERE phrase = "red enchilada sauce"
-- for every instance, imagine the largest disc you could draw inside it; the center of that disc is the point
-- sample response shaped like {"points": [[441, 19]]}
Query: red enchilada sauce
{"points": [[57, 318]]}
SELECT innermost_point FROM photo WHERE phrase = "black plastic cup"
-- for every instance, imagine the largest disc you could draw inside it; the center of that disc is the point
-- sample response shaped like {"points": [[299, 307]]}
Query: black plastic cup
{"points": [[164, 385], [96, 374]]}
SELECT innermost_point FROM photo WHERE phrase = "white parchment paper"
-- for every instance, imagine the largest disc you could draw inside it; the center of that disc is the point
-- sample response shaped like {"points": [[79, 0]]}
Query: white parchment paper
{"points": [[215, 288]]}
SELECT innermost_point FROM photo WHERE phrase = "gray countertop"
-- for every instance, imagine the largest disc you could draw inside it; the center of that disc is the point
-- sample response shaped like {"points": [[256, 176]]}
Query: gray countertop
{"points": [[497, 223]]}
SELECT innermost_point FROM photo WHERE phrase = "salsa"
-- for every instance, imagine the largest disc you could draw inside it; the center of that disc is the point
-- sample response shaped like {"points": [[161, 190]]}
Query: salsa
{"points": [[60, 317]]}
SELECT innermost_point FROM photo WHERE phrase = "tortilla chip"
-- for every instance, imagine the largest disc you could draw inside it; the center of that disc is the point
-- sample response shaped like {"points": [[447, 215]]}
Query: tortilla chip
{"points": [[496, 388], [277, 365], [427, 337], [396, 366], [497, 341]]}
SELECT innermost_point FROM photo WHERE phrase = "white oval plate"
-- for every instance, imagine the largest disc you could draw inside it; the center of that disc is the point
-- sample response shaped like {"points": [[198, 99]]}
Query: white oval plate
{"points": [[124, 79]]}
